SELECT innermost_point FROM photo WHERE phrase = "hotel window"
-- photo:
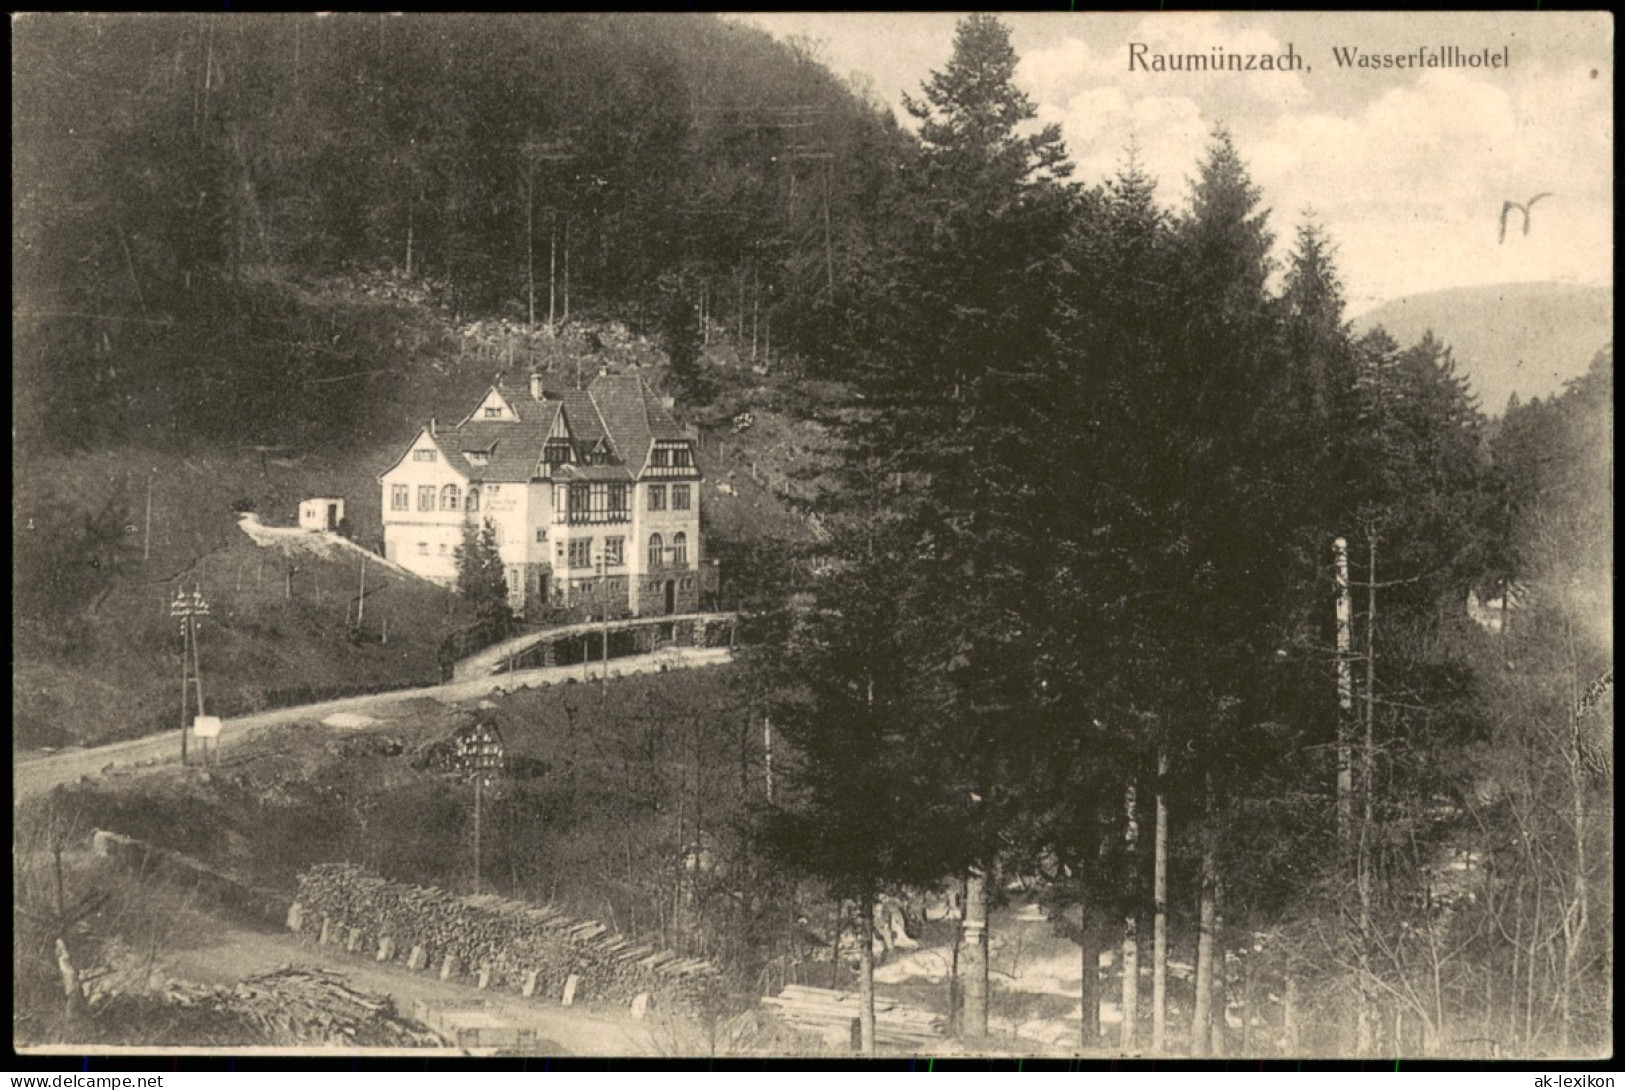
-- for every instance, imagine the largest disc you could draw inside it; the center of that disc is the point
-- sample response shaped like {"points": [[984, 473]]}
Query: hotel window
{"points": [[450, 497], [473, 499], [679, 548], [657, 497], [426, 497], [614, 551], [442, 548], [541, 537], [618, 500], [660, 458], [657, 551], [400, 498], [681, 457], [679, 497], [493, 412], [556, 452], [580, 501], [423, 456], [423, 548], [581, 553]]}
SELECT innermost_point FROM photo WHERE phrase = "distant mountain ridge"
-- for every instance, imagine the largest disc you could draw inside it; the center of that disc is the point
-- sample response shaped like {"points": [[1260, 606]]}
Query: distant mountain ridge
{"points": [[1526, 338]]}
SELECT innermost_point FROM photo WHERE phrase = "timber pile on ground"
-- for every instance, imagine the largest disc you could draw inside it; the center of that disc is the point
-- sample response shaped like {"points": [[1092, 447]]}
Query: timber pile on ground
{"points": [[298, 1006], [830, 1015], [535, 948]]}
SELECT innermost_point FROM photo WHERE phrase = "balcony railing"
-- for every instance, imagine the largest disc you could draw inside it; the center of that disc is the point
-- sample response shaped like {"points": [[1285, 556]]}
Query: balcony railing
{"points": [[680, 472], [596, 518]]}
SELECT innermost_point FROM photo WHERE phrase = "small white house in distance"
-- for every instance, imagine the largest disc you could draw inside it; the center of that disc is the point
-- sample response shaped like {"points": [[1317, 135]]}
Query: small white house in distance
{"points": [[321, 513]]}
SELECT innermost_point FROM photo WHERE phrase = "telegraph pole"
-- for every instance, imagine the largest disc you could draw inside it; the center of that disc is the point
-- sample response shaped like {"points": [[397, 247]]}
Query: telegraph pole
{"points": [[146, 537], [603, 605], [1345, 694], [767, 746], [187, 608], [479, 754]]}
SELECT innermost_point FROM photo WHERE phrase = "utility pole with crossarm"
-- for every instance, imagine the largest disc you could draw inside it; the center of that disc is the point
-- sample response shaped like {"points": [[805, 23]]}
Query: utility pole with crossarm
{"points": [[479, 755], [187, 608]]}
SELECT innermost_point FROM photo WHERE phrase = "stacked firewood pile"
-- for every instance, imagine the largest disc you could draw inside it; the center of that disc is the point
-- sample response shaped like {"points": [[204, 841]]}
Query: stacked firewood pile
{"points": [[831, 1014], [300, 1006], [533, 947]]}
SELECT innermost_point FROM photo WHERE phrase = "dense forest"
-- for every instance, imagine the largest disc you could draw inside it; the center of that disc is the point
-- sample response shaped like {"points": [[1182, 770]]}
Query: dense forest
{"points": [[203, 168], [1152, 580], [1142, 573]]}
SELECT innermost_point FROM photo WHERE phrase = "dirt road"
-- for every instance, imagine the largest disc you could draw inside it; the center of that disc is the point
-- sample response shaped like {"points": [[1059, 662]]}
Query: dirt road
{"points": [[559, 1031], [35, 774]]}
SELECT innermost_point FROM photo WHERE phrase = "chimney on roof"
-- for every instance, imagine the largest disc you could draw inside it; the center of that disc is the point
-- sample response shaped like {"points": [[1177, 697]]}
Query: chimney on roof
{"points": [[536, 385], [431, 427], [668, 403]]}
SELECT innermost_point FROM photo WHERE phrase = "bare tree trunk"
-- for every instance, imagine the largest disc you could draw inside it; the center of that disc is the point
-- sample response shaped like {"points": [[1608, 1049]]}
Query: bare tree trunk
{"points": [[835, 950], [1131, 935], [956, 987], [974, 962], [1089, 947], [1159, 924], [73, 994], [1218, 1007], [1289, 1015], [1202, 1016], [755, 311], [146, 536], [866, 974], [1345, 697], [1363, 1029], [829, 248], [1247, 1003], [552, 271], [129, 263]]}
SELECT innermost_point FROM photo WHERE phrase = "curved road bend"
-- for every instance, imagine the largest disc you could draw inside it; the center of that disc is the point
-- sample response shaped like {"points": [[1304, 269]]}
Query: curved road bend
{"points": [[33, 775]]}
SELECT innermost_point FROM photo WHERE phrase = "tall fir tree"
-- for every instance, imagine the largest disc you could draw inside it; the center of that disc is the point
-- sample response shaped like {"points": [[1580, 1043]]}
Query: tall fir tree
{"points": [[481, 582]]}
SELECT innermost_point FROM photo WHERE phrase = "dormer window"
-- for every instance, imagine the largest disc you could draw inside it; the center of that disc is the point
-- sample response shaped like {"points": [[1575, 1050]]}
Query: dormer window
{"points": [[493, 412], [477, 457], [681, 456], [660, 458], [423, 456], [557, 452]]}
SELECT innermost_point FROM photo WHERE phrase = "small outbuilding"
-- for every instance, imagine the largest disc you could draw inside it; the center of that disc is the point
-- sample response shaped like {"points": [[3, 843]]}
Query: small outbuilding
{"points": [[321, 513]]}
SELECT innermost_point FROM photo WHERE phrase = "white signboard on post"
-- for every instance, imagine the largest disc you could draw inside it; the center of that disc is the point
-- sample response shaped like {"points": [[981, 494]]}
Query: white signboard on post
{"points": [[206, 726]]}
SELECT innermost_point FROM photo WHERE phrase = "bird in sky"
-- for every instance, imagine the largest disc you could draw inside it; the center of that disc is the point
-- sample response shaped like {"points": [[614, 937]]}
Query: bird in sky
{"points": [[1524, 208]]}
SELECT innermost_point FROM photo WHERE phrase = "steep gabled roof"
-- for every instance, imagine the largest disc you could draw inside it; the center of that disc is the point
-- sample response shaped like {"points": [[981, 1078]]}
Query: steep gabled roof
{"points": [[408, 450], [586, 425], [634, 416], [618, 409], [514, 446]]}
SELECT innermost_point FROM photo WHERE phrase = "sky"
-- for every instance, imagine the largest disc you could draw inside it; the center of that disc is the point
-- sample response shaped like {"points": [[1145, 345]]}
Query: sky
{"points": [[1406, 169]]}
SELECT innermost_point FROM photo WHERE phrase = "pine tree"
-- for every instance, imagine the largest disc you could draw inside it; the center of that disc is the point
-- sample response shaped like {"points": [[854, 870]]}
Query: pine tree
{"points": [[838, 669], [481, 582], [958, 394]]}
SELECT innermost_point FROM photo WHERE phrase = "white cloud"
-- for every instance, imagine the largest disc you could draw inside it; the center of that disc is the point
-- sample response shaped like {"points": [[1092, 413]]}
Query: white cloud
{"points": [[1412, 186], [1408, 177]]}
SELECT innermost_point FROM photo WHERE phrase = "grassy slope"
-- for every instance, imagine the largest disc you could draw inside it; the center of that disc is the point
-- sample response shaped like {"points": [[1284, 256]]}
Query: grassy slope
{"points": [[113, 671], [599, 797]]}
